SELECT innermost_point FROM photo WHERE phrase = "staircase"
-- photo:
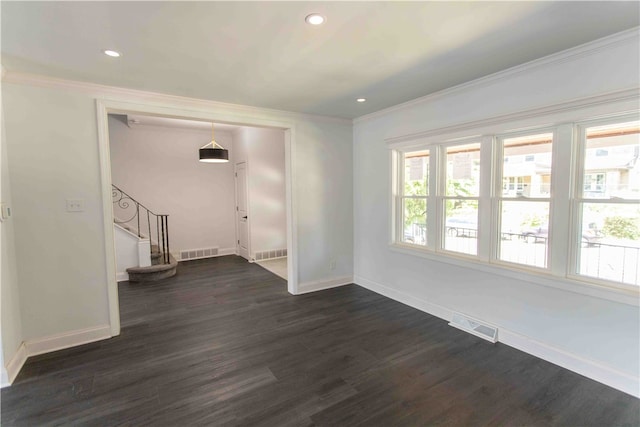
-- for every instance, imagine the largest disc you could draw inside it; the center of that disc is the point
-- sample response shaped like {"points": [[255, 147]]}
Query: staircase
{"points": [[152, 230], [158, 270]]}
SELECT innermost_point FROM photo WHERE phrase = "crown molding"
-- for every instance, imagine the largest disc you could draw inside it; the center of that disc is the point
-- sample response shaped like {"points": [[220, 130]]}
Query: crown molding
{"points": [[632, 94], [124, 94], [567, 55]]}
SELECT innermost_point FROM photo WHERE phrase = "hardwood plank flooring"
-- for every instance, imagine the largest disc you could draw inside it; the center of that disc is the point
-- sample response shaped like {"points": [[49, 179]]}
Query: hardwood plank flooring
{"points": [[223, 343]]}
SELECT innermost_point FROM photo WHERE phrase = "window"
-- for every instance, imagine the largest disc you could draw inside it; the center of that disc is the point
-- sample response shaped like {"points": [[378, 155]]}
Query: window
{"points": [[461, 196], [525, 202], [594, 183], [513, 184], [561, 201], [413, 197], [608, 203]]}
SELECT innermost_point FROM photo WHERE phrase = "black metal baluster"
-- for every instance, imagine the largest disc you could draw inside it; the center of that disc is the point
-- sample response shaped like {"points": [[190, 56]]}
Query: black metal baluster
{"points": [[167, 225], [123, 201], [162, 228]]}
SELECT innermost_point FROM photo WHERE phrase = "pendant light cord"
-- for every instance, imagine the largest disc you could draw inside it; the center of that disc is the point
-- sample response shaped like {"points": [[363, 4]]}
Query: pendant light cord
{"points": [[213, 142]]}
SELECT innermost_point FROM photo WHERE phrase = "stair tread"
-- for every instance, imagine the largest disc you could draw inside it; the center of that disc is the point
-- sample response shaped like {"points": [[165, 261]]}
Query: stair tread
{"points": [[154, 268]]}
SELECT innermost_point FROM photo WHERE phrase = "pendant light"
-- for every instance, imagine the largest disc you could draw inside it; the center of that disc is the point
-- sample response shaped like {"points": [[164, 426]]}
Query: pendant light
{"points": [[213, 152]]}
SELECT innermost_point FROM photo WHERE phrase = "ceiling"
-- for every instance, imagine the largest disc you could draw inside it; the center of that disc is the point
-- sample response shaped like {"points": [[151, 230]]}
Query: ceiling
{"points": [[263, 53]]}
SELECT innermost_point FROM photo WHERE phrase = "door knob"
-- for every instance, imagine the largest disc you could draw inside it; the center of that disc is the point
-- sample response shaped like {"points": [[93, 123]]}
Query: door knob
{"points": [[244, 217]]}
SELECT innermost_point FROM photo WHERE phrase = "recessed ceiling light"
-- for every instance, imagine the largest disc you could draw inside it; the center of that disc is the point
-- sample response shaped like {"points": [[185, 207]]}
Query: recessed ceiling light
{"points": [[361, 99], [111, 53], [314, 19]]}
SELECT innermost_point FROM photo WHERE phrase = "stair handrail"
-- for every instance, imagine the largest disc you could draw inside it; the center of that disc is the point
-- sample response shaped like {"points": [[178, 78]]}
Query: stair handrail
{"points": [[124, 201]]}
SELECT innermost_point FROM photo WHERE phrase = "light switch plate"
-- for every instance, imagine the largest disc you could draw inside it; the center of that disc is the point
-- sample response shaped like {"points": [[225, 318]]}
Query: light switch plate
{"points": [[75, 205], [5, 211]]}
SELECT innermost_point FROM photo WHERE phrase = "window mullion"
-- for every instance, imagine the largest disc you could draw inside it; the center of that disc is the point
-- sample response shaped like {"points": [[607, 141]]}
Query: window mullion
{"points": [[495, 197], [433, 241], [561, 236], [397, 177], [485, 228]]}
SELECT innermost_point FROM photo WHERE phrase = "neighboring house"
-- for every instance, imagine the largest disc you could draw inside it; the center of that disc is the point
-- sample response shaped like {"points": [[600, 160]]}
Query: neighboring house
{"points": [[611, 167]]}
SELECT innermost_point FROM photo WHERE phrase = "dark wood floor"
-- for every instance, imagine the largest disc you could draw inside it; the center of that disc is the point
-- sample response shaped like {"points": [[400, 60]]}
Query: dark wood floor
{"points": [[223, 343]]}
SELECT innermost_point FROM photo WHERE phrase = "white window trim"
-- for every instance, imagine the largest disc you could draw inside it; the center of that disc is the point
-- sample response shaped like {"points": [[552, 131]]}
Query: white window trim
{"points": [[442, 197], [497, 198], [577, 193], [564, 123], [514, 271]]}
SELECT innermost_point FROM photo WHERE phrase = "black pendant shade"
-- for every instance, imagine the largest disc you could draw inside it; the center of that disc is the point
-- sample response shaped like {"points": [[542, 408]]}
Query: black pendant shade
{"points": [[213, 152], [214, 155]]}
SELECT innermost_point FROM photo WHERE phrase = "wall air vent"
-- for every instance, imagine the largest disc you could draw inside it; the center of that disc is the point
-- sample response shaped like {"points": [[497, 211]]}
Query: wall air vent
{"points": [[475, 327], [198, 253], [264, 255]]}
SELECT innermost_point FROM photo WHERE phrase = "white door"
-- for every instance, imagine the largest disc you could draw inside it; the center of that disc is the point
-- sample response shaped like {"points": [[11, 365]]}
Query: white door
{"points": [[242, 220]]}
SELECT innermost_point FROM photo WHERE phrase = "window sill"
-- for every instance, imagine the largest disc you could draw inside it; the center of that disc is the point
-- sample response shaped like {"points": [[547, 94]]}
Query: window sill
{"points": [[592, 289]]}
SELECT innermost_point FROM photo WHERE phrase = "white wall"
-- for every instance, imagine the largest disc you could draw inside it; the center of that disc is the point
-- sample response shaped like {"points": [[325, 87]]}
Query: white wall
{"points": [[11, 330], [53, 155], [159, 167], [263, 150], [602, 332], [131, 251], [324, 192]]}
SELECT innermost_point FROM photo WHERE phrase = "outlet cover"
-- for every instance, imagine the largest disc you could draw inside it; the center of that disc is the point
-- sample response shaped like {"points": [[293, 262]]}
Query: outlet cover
{"points": [[75, 205]]}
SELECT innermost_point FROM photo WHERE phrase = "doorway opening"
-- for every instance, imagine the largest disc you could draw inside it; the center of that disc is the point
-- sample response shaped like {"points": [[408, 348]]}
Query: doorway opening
{"points": [[278, 223]]}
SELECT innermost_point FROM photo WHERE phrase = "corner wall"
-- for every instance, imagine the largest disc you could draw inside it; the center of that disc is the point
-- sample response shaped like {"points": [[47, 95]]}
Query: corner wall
{"points": [[10, 312], [53, 156], [602, 334], [263, 150]]}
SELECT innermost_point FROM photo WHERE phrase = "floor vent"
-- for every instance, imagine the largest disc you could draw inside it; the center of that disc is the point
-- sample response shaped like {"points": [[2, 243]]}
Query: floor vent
{"points": [[276, 253], [482, 330], [198, 253]]}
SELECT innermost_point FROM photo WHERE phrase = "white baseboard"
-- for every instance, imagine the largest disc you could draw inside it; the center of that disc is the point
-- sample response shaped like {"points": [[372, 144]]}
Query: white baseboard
{"points": [[318, 285], [227, 251], [417, 303], [49, 344], [67, 339], [578, 364], [583, 366], [15, 364], [122, 277], [4, 377]]}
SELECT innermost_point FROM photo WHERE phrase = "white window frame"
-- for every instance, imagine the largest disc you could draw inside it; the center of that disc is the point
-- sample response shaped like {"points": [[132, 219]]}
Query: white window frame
{"points": [[442, 197], [398, 181], [436, 196], [577, 199], [497, 197], [564, 225]]}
